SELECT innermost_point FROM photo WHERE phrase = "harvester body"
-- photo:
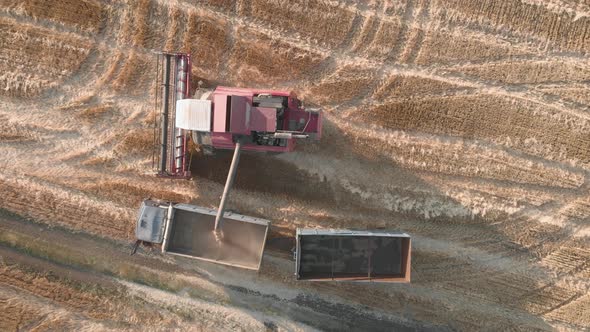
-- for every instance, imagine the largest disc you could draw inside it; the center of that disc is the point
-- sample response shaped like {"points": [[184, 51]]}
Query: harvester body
{"points": [[266, 120]]}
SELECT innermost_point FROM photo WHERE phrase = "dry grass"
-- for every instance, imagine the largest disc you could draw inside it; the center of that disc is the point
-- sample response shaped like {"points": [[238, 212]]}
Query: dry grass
{"points": [[407, 86], [14, 132], [79, 102], [578, 94], [565, 31], [135, 77], [454, 158], [133, 194], [326, 22], [541, 131], [466, 47], [174, 29], [140, 26], [529, 72], [15, 316], [95, 112], [344, 85], [137, 141], [258, 58], [88, 108], [114, 64], [463, 123], [104, 161], [89, 299], [52, 58], [136, 24], [385, 39], [52, 288], [207, 39], [84, 14], [72, 209], [221, 4]]}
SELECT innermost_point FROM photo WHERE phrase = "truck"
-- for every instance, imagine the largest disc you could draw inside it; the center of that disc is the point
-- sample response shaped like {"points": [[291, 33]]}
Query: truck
{"points": [[187, 230]]}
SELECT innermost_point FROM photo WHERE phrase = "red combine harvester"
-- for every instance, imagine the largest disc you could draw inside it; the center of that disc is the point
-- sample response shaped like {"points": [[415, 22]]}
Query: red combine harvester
{"points": [[224, 118], [251, 120]]}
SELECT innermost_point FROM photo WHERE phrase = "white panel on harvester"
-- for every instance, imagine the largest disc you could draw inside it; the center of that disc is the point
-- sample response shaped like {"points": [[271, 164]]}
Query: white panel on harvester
{"points": [[193, 114]]}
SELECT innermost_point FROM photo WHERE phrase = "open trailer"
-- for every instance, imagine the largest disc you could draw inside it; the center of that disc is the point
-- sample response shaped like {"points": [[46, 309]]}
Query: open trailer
{"points": [[187, 230], [340, 254]]}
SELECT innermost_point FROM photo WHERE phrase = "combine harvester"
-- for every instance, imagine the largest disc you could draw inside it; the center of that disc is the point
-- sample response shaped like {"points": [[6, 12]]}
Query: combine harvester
{"points": [[239, 119]]}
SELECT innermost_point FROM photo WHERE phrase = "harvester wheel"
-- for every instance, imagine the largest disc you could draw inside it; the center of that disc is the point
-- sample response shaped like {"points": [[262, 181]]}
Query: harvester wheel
{"points": [[202, 143]]}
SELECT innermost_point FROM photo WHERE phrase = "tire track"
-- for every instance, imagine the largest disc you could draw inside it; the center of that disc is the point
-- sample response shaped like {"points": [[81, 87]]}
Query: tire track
{"points": [[523, 18], [365, 35], [419, 29], [403, 36], [343, 59]]}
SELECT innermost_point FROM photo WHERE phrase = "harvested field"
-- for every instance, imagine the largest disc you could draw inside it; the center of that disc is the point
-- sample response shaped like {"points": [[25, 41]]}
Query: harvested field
{"points": [[463, 123]]}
